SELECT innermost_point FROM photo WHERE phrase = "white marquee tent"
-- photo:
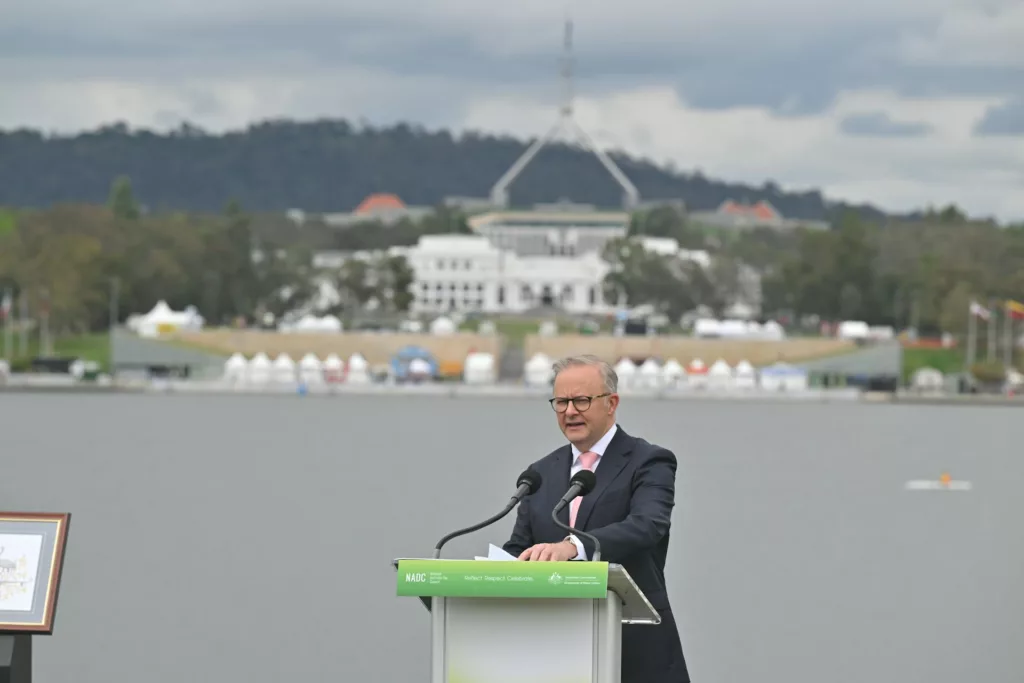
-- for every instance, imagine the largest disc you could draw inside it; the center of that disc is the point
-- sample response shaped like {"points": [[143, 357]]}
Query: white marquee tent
{"points": [[672, 373], [333, 368], [697, 374], [783, 377], [284, 369], [745, 376], [442, 326], [162, 320], [720, 375], [537, 371], [479, 368], [235, 368], [649, 375], [259, 370], [311, 370], [626, 370], [358, 370]]}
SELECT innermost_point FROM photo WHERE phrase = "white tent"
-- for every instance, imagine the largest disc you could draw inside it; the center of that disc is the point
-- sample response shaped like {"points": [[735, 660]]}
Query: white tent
{"points": [[706, 327], [697, 374], [333, 368], [772, 331], [626, 370], [720, 375], [235, 368], [311, 370], [672, 373], [479, 368], [259, 369], [330, 323], [442, 326], [548, 328], [853, 329], [733, 329], [745, 375], [537, 372], [649, 374], [783, 377], [310, 323], [358, 370], [927, 380], [162, 319], [284, 369]]}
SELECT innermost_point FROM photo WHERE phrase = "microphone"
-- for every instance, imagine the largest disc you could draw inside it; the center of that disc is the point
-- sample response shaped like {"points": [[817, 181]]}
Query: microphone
{"points": [[581, 484], [528, 483]]}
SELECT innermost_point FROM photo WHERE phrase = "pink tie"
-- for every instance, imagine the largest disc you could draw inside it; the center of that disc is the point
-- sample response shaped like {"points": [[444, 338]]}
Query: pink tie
{"points": [[587, 460]]}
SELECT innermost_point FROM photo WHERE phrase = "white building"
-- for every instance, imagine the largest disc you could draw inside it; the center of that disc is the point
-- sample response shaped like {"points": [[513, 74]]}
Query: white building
{"points": [[469, 273], [551, 232]]}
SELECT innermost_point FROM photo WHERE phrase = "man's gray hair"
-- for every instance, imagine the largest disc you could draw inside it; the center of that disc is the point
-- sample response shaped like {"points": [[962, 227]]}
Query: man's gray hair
{"points": [[608, 374]]}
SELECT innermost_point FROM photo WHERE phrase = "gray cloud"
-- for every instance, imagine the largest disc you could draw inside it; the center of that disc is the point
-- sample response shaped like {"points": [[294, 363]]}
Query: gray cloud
{"points": [[1003, 120], [880, 124], [794, 66]]}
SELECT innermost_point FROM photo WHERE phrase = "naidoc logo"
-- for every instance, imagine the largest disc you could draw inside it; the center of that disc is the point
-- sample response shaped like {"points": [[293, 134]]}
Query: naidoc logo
{"points": [[555, 579], [14, 577]]}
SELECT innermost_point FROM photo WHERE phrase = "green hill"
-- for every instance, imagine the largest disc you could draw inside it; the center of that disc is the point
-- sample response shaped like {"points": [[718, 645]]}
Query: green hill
{"points": [[331, 165]]}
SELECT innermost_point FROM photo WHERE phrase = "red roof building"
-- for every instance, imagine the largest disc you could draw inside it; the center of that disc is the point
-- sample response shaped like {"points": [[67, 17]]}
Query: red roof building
{"points": [[762, 211], [380, 202]]}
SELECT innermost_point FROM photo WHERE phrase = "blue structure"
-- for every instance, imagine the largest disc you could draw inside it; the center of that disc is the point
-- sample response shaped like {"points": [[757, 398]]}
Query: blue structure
{"points": [[400, 362]]}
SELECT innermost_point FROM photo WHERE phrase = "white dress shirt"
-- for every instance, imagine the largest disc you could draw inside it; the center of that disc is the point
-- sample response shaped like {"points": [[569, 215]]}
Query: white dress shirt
{"points": [[600, 447]]}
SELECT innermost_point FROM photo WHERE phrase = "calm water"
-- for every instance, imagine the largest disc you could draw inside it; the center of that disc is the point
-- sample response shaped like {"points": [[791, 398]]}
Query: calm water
{"points": [[249, 538]]}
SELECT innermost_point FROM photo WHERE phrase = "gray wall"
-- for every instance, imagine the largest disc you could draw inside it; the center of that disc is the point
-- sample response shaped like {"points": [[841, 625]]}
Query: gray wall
{"points": [[877, 359], [129, 349]]}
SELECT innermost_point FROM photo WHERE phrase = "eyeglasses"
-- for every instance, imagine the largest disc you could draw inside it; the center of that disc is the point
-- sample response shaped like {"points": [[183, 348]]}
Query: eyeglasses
{"points": [[581, 403]]}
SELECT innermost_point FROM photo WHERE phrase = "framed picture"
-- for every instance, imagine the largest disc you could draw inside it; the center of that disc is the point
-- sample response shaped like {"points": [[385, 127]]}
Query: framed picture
{"points": [[31, 561]]}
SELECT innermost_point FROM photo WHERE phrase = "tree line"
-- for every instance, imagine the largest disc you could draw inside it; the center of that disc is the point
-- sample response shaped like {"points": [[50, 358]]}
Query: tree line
{"points": [[331, 165], [81, 264], [922, 274], [75, 260]]}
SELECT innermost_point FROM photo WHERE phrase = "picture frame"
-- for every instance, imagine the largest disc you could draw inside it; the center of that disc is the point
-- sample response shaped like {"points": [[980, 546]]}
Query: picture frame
{"points": [[32, 546]]}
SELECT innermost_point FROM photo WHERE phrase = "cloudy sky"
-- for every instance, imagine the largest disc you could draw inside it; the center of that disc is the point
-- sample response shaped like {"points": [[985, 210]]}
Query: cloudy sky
{"points": [[901, 103]]}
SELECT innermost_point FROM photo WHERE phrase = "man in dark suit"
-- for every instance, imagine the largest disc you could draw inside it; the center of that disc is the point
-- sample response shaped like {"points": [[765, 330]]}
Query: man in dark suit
{"points": [[629, 511]]}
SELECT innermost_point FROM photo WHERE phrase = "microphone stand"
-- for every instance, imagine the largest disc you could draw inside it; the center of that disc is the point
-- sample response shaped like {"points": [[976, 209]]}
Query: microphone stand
{"points": [[470, 529], [577, 532]]}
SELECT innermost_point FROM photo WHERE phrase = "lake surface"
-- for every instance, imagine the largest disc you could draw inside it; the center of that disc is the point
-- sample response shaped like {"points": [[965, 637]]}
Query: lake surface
{"points": [[250, 538]]}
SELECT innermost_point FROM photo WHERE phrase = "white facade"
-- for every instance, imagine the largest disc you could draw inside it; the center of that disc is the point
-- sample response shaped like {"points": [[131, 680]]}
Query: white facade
{"points": [[468, 273], [551, 233]]}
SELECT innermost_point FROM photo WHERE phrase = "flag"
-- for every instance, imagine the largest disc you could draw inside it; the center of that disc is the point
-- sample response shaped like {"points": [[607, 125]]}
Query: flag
{"points": [[979, 311], [1015, 309]]}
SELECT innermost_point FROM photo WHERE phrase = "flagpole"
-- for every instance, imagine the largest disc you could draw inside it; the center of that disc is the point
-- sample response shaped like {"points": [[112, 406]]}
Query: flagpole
{"points": [[23, 332], [971, 341], [1007, 337], [991, 333], [8, 308]]}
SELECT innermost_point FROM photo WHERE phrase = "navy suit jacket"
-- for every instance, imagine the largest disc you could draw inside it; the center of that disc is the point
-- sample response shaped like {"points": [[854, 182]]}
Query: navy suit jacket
{"points": [[629, 511]]}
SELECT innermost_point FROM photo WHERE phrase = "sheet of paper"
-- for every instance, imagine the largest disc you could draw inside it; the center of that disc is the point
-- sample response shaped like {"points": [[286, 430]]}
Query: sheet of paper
{"points": [[496, 553]]}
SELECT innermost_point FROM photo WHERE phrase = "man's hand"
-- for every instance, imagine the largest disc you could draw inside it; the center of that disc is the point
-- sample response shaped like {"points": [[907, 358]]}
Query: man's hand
{"points": [[550, 552]]}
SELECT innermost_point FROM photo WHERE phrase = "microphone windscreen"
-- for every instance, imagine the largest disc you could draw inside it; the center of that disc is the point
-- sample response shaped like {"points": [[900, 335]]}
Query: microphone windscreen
{"points": [[532, 478], [586, 479]]}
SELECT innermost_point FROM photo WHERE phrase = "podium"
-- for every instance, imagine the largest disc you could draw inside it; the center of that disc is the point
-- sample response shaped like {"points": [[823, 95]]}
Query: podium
{"points": [[546, 622]]}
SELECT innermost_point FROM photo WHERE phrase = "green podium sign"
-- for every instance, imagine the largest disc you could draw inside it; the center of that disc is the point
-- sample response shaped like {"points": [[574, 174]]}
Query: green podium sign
{"points": [[501, 579]]}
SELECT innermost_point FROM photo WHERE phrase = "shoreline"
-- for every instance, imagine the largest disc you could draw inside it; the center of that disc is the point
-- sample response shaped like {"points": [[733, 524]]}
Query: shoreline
{"points": [[510, 390]]}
